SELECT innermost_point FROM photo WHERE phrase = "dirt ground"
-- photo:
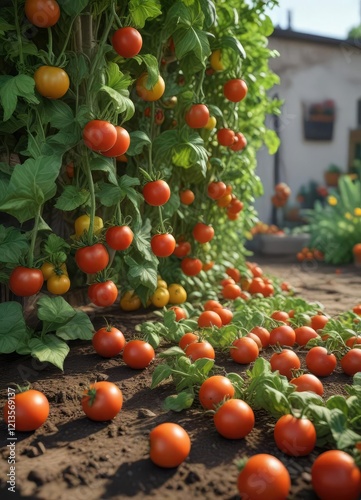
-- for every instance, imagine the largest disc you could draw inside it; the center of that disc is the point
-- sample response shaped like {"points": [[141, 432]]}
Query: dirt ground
{"points": [[72, 457]]}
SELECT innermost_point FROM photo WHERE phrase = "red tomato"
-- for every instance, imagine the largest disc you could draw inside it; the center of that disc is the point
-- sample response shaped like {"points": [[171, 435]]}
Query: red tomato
{"points": [[216, 190], [225, 136], [351, 362], [304, 334], [108, 341], [284, 335], [318, 321], [191, 266], [169, 445], [214, 390], [227, 281], [320, 362], [255, 339], [42, 13], [335, 475], [231, 291], [212, 305], [138, 354], [280, 316], [127, 42], [235, 207], [197, 116], [202, 232], [285, 361], [197, 350], [25, 281], [295, 436], [352, 341], [263, 334], [102, 401], [156, 193], [187, 338], [244, 350], [226, 315], [103, 294], [99, 135], [264, 477], [179, 312], [240, 142], [186, 197], [234, 419], [234, 274], [121, 145], [308, 382], [163, 245], [119, 237], [182, 249], [235, 90], [31, 409], [209, 319], [92, 259]]}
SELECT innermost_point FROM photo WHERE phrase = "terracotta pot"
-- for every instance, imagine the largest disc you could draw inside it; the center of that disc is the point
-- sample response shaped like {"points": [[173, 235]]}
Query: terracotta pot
{"points": [[331, 178]]}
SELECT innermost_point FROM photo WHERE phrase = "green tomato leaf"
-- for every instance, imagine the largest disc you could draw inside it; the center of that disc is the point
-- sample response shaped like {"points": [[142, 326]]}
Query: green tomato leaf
{"points": [[160, 373], [142, 239], [122, 104], [204, 365], [13, 87], [54, 244], [13, 332], [151, 336], [272, 141], [105, 165], [179, 402], [55, 310], [78, 327], [138, 141], [109, 195], [49, 349], [144, 273], [142, 10], [72, 8], [72, 198], [13, 244], [58, 113]]}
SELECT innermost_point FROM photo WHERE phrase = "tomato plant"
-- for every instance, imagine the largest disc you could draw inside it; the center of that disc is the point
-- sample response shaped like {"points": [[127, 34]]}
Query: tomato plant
{"points": [[234, 419], [42, 13], [127, 41], [102, 401], [103, 294], [31, 410], [138, 354], [51, 82], [214, 390], [25, 281], [108, 341], [170, 445], [92, 259], [295, 436]]}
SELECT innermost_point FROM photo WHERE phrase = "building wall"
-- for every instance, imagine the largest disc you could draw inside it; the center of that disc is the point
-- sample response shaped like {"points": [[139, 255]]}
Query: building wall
{"points": [[310, 72]]}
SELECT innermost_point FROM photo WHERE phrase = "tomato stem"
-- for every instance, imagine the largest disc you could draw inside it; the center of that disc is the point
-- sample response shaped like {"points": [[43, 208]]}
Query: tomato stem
{"points": [[33, 238], [50, 46], [18, 33], [70, 31], [161, 220], [90, 181]]}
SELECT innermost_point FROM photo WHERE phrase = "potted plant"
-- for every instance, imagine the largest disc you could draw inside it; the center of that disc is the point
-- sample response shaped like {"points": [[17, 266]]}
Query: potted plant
{"points": [[332, 175]]}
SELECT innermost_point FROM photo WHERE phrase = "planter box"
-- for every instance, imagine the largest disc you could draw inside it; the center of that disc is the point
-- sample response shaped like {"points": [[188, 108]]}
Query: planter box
{"points": [[283, 244], [318, 130]]}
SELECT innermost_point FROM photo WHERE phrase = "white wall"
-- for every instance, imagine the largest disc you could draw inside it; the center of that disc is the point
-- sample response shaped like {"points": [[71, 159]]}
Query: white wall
{"points": [[310, 72]]}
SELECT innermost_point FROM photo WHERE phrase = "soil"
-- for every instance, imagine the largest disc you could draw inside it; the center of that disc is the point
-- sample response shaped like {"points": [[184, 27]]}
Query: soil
{"points": [[73, 457]]}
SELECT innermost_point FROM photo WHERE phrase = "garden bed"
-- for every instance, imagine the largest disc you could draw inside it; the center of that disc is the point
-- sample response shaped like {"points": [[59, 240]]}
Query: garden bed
{"points": [[73, 457]]}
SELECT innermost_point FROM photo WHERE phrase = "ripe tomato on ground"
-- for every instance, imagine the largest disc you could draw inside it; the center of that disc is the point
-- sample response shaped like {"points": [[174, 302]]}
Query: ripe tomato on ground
{"points": [[214, 390], [121, 145], [162, 245], [351, 362], [103, 294], [156, 193], [99, 135], [177, 294], [179, 312], [285, 361], [284, 335], [295, 436], [244, 350], [264, 477], [92, 259], [226, 315], [263, 334], [160, 297], [255, 339], [191, 266], [202, 349], [234, 419], [108, 341], [335, 475], [102, 401], [138, 354], [31, 410], [208, 319], [304, 334], [308, 382], [130, 301], [320, 362], [318, 321], [280, 316], [51, 82], [235, 90], [197, 116], [25, 281], [152, 94], [119, 237], [170, 445], [186, 339], [42, 13], [212, 305], [127, 42]]}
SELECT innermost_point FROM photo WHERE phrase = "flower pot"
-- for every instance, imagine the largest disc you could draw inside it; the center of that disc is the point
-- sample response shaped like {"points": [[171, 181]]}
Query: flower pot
{"points": [[331, 178]]}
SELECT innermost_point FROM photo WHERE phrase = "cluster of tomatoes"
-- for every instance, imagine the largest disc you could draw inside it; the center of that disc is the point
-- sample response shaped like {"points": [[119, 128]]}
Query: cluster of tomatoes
{"points": [[309, 254], [222, 194], [106, 139], [263, 228], [281, 195]]}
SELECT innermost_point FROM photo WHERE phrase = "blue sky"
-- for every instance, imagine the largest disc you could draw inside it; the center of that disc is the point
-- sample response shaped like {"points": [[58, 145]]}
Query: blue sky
{"points": [[332, 18]]}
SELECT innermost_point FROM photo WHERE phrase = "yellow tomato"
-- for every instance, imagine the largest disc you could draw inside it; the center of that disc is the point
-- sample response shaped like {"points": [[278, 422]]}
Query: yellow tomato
{"points": [[161, 284], [152, 94], [212, 122], [58, 284], [48, 269], [216, 60], [177, 294], [160, 297], [130, 301], [82, 224]]}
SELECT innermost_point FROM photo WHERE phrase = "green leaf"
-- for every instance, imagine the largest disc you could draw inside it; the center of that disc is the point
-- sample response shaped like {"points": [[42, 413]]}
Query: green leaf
{"points": [[49, 349], [337, 402], [58, 113], [142, 10], [151, 337], [5, 26], [138, 141], [13, 332], [13, 244], [78, 327], [142, 239], [204, 365], [126, 184], [237, 382], [109, 195], [12, 87], [72, 8], [77, 67], [55, 310], [105, 165], [234, 44], [160, 373], [272, 141], [122, 104], [343, 436], [72, 198], [179, 402], [144, 273], [172, 351]]}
